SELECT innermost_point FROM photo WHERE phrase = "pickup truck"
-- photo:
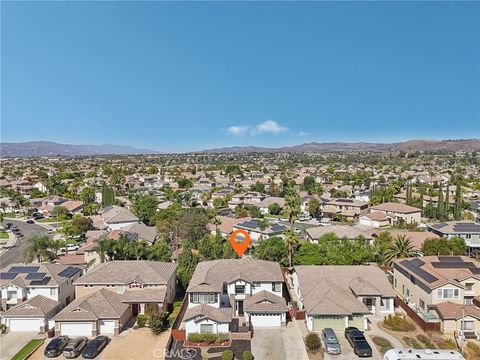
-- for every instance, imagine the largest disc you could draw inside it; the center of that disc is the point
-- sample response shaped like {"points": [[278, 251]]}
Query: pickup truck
{"points": [[358, 342], [70, 247]]}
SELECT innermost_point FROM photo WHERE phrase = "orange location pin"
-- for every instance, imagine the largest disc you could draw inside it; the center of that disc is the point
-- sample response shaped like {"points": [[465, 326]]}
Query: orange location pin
{"points": [[240, 246]]}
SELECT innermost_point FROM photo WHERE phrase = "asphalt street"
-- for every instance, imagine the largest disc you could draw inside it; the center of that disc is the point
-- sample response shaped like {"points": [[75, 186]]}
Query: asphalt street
{"points": [[16, 254]]}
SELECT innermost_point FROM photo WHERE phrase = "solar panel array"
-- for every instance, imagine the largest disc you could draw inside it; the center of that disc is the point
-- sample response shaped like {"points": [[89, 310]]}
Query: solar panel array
{"points": [[449, 258], [35, 276], [454, 265], [250, 223], [7, 275], [69, 271], [24, 269], [418, 271], [278, 227], [466, 227], [438, 226], [44, 281]]}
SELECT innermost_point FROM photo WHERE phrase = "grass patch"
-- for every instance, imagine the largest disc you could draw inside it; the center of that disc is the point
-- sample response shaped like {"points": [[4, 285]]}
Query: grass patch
{"points": [[176, 309], [3, 234], [398, 323], [425, 340], [29, 348], [411, 342], [447, 344], [383, 344]]}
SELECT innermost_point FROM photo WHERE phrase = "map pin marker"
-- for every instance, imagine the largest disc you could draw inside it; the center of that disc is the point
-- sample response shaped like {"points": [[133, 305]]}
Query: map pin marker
{"points": [[242, 244]]}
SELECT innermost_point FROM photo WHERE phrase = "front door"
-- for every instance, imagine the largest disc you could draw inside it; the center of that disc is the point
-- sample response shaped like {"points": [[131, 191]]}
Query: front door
{"points": [[240, 307], [135, 309]]}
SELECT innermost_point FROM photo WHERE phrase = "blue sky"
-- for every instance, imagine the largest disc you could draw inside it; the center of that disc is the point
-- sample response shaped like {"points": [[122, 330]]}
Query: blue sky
{"points": [[189, 76]]}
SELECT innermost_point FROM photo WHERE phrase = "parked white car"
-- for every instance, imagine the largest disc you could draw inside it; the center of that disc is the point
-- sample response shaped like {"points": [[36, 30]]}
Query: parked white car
{"points": [[70, 247]]}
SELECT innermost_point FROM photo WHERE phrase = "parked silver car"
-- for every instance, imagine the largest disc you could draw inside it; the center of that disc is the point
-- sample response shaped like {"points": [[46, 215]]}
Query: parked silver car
{"points": [[331, 342], [74, 347]]}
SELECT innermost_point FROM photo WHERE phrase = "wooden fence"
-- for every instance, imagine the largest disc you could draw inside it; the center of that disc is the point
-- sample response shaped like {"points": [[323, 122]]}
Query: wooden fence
{"points": [[425, 326]]}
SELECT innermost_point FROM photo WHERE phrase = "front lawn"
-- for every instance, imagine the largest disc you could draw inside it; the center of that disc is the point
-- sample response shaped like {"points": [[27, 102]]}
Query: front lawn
{"points": [[3, 234], [31, 346]]}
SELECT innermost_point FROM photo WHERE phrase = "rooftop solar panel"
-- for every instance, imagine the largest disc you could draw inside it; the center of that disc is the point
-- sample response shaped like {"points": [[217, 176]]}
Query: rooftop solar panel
{"points": [[471, 227], [418, 271], [69, 272], [449, 258], [44, 281], [35, 276], [7, 275], [24, 269], [439, 226], [417, 262], [475, 271], [450, 265]]}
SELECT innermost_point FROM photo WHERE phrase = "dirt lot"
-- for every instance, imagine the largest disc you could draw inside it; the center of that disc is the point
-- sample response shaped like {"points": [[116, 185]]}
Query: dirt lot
{"points": [[138, 344]]}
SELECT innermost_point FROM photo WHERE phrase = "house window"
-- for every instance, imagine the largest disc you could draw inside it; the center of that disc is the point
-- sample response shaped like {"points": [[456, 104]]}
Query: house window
{"points": [[467, 325], [239, 289], [468, 300], [403, 289], [277, 287], [225, 288], [206, 328], [469, 286], [52, 291], [395, 282], [468, 236], [422, 304], [196, 298], [448, 293], [88, 286]]}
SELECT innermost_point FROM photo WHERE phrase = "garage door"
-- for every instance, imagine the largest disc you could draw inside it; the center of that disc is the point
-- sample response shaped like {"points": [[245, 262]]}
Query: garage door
{"points": [[334, 322], [76, 329], [107, 327], [357, 321], [259, 320], [24, 324]]}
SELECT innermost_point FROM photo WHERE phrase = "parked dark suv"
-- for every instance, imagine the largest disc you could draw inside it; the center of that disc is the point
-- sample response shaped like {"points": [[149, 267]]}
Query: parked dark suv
{"points": [[55, 346], [95, 347], [357, 340]]}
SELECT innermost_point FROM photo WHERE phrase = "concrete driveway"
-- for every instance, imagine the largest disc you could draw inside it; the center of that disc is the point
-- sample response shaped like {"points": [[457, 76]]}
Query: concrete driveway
{"points": [[14, 341], [279, 343], [347, 350]]}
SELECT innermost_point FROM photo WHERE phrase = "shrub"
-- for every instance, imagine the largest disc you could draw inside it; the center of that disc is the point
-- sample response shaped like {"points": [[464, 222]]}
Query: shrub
{"points": [[312, 342], [208, 338], [426, 341], [156, 323], [412, 342], [474, 347], [382, 343], [141, 320], [176, 309], [398, 323], [227, 355], [247, 355], [151, 309], [448, 344]]}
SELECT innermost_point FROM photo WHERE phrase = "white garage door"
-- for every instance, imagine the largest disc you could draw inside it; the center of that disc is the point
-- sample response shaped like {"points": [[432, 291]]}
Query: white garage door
{"points": [[76, 329], [24, 324], [265, 320], [107, 327]]}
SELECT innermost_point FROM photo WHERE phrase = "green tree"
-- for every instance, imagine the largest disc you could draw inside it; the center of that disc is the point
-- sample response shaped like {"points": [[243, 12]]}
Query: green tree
{"points": [[145, 207], [458, 203], [42, 248], [108, 195], [258, 187], [291, 241], [254, 211], [272, 249], [444, 246], [274, 209], [187, 262], [81, 225], [314, 208], [159, 251], [401, 248]]}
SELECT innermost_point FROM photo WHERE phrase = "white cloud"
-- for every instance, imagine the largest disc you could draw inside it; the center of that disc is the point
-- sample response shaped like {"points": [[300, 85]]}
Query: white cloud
{"points": [[237, 130], [302, 133], [269, 126]]}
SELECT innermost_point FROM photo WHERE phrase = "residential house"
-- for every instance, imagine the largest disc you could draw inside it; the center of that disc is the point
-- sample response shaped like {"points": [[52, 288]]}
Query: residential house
{"points": [[252, 227], [467, 230], [443, 289], [374, 219], [396, 212], [19, 282], [341, 296], [116, 217], [265, 203], [139, 282], [228, 293]]}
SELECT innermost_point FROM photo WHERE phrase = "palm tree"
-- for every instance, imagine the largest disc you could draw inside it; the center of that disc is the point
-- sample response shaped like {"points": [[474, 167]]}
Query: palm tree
{"points": [[291, 241], [401, 248], [42, 248], [103, 250], [216, 221], [292, 206], [262, 225]]}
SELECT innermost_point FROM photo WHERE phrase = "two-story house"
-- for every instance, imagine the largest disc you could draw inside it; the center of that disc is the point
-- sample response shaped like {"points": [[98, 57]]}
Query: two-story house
{"points": [[228, 293], [443, 289], [32, 293], [341, 296], [397, 212], [467, 230], [111, 293]]}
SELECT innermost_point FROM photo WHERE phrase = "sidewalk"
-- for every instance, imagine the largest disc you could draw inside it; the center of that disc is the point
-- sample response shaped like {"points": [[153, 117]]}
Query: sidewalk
{"points": [[10, 242]]}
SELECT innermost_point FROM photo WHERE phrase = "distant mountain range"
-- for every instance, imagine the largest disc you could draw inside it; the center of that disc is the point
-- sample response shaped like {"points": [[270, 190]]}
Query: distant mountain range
{"points": [[47, 148], [421, 145]]}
